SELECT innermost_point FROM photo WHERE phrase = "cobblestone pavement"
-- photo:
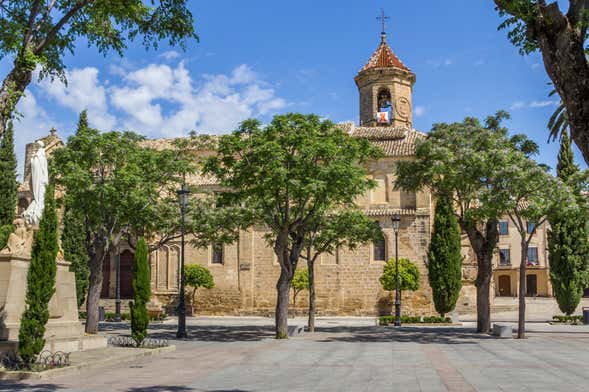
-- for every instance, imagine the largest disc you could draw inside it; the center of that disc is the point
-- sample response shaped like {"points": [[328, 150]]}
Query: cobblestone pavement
{"points": [[239, 354]]}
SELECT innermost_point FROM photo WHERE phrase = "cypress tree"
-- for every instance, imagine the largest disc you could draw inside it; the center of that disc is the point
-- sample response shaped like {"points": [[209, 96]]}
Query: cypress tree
{"points": [[40, 283], [73, 242], [445, 260], [567, 240], [141, 293], [8, 185]]}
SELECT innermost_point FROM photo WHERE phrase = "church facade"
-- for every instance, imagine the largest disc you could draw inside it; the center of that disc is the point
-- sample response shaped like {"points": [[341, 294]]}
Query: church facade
{"points": [[246, 272]]}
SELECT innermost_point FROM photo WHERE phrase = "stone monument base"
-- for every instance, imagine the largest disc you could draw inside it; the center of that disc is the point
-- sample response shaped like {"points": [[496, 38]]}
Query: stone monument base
{"points": [[64, 331]]}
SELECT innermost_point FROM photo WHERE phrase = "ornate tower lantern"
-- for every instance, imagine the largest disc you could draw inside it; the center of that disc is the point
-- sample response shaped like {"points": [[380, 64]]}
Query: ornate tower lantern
{"points": [[386, 87]]}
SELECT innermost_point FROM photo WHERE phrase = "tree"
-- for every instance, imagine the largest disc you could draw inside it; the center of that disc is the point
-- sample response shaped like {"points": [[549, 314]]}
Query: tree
{"points": [[116, 184], [8, 184], [38, 34], [196, 276], [40, 283], [462, 160], [285, 174], [530, 193], [561, 38], [300, 282], [141, 293], [73, 242], [567, 239], [444, 258], [408, 275], [345, 228]]}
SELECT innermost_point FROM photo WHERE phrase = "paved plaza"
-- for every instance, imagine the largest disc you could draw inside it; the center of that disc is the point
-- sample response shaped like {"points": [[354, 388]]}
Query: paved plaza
{"points": [[346, 354]]}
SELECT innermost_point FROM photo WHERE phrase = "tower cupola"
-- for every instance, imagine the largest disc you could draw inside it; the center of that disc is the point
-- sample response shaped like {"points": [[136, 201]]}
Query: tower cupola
{"points": [[385, 85]]}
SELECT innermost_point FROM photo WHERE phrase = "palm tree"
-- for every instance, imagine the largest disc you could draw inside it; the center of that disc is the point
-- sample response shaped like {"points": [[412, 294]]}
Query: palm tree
{"points": [[558, 122]]}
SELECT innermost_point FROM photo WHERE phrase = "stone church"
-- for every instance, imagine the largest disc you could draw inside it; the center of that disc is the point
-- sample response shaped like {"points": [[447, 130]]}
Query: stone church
{"points": [[246, 272]]}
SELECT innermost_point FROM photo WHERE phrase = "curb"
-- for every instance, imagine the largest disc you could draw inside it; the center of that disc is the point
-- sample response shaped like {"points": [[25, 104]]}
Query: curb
{"points": [[72, 369]]}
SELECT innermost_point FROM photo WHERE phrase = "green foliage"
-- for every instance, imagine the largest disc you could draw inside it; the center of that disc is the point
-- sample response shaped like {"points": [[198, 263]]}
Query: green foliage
{"points": [[567, 239], [444, 258], [196, 276], [300, 281], [120, 187], [4, 234], [386, 320], [141, 293], [287, 174], [559, 121], [408, 275], [567, 318], [40, 283], [73, 242], [42, 35], [8, 183]]}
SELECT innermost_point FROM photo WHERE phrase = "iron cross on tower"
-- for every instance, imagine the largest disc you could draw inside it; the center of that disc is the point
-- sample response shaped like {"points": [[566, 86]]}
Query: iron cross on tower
{"points": [[382, 18]]}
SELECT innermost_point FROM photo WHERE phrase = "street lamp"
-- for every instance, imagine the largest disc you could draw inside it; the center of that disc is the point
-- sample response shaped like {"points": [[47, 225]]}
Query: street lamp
{"points": [[183, 200], [396, 219]]}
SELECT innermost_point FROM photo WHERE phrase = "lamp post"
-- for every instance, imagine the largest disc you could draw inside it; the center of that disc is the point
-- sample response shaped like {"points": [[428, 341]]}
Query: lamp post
{"points": [[183, 200], [396, 221], [118, 285]]}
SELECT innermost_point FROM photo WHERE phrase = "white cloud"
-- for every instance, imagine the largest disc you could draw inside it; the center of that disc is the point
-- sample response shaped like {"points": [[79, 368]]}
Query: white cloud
{"points": [[542, 104], [83, 92], [170, 55], [163, 100], [517, 105], [218, 104], [419, 111]]}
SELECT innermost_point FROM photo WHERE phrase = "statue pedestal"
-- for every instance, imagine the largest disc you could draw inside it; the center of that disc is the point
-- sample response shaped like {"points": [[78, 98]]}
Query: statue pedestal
{"points": [[64, 331]]}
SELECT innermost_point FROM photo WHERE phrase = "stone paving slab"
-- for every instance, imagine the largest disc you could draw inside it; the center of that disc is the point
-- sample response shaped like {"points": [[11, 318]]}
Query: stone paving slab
{"points": [[232, 354], [90, 359]]}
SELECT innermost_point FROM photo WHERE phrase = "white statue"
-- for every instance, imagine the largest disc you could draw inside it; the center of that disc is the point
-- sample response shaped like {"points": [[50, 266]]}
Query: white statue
{"points": [[39, 181]]}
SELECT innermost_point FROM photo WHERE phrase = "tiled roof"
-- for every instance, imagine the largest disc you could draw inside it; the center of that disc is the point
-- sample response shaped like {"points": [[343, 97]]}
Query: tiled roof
{"points": [[393, 141], [393, 211], [384, 57]]}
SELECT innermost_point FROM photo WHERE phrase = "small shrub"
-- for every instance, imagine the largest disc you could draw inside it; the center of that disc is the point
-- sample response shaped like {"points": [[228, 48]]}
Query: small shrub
{"points": [[195, 276], [565, 318], [386, 320]]}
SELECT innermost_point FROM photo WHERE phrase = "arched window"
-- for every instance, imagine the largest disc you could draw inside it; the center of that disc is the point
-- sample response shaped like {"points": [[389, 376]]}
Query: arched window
{"points": [[217, 256], [384, 106]]}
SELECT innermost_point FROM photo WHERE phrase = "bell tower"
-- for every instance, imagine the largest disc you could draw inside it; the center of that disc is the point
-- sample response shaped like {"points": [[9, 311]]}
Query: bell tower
{"points": [[385, 85]]}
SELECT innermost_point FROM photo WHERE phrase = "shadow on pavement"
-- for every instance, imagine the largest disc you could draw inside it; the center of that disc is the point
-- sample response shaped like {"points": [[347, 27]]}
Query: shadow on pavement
{"points": [[209, 333], [438, 335], [160, 388], [19, 386]]}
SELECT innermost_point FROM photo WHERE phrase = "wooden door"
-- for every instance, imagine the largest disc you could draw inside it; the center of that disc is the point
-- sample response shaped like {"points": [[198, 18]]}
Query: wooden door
{"points": [[504, 286], [126, 274], [531, 285]]}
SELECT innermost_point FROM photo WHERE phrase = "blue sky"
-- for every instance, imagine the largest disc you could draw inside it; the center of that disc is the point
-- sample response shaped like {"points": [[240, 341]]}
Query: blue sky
{"points": [[259, 58]]}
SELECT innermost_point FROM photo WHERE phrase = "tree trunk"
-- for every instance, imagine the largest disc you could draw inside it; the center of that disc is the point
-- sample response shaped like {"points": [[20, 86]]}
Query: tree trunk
{"points": [[561, 42], [283, 290], [521, 320], [483, 245], [311, 268], [12, 89], [94, 289]]}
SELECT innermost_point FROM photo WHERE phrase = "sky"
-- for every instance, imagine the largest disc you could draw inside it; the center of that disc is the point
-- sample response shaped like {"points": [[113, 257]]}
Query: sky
{"points": [[261, 58]]}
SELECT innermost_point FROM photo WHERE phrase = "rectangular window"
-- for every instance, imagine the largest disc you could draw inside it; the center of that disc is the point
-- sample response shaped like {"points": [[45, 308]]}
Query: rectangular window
{"points": [[379, 250], [532, 256], [504, 258], [531, 227], [503, 228], [217, 257]]}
